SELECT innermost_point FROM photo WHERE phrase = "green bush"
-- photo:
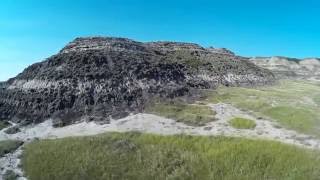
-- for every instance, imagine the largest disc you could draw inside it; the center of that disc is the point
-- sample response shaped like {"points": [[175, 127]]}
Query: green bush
{"points": [[242, 123]]}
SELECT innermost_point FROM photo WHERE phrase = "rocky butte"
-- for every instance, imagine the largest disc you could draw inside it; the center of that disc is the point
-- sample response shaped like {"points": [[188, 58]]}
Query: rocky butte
{"points": [[99, 78]]}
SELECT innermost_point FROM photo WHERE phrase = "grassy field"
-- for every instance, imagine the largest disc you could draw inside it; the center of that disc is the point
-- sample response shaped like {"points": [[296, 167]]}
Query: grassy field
{"points": [[144, 156], [241, 123], [294, 104], [195, 115], [8, 146]]}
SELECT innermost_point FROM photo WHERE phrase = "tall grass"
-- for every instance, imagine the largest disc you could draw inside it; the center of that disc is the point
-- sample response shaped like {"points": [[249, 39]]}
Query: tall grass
{"points": [[137, 156]]}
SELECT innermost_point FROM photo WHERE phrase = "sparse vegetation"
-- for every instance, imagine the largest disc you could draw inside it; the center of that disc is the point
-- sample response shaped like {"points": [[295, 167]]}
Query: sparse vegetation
{"points": [[145, 156], [195, 115], [12, 130], [9, 146], [294, 104], [4, 124], [186, 58], [10, 175], [242, 123]]}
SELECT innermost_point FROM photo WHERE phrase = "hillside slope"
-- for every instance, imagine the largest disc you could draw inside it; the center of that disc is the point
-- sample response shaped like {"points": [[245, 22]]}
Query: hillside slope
{"points": [[285, 67], [103, 78]]}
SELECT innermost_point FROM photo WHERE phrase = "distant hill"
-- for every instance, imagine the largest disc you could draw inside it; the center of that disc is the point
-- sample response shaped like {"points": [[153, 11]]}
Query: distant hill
{"points": [[285, 67]]}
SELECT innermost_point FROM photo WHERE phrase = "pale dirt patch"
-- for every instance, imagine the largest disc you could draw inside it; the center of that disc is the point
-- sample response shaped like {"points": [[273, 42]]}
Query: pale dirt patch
{"points": [[12, 162]]}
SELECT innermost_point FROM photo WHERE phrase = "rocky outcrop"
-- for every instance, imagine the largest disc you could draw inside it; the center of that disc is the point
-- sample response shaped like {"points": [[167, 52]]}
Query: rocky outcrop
{"points": [[284, 67], [102, 78], [3, 85], [221, 51]]}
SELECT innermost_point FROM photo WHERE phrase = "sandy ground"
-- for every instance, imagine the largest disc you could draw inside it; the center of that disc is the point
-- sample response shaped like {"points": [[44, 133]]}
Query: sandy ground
{"points": [[149, 123]]}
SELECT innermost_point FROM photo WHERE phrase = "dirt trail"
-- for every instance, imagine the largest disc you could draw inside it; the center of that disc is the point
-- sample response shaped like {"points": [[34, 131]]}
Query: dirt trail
{"points": [[149, 123]]}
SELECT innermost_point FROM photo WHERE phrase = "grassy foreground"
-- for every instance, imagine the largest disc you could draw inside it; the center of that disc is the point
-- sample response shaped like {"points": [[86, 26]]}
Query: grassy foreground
{"points": [[195, 115], [242, 123], [294, 104], [137, 156]]}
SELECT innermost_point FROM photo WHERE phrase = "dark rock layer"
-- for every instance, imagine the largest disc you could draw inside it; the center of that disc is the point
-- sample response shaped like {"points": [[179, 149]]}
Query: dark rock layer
{"points": [[102, 78]]}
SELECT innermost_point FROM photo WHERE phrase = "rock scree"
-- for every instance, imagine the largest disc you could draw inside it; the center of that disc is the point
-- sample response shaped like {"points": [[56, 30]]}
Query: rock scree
{"points": [[105, 78]]}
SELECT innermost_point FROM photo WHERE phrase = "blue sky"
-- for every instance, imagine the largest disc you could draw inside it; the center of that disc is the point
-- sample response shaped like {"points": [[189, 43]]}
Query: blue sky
{"points": [[31, 30]]}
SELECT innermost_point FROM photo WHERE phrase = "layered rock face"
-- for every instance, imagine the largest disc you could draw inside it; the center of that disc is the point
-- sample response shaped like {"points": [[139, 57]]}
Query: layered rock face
{"points": [[284, 67], [102, 78]]}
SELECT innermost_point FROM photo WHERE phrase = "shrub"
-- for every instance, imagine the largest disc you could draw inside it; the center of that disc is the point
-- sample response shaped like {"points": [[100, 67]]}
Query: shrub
{"points": [[242, 123]]}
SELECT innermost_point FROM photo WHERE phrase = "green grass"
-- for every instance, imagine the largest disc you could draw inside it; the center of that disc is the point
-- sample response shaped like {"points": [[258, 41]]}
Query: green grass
{"points": [[195, 115], [294, 104], [137, 156], [4, 124], [9, 146], [300, 119], [242, 123]]}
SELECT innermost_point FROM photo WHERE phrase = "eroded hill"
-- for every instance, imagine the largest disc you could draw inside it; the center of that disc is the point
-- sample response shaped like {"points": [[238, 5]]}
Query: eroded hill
{"points": [[291, 68], [102, 78]]}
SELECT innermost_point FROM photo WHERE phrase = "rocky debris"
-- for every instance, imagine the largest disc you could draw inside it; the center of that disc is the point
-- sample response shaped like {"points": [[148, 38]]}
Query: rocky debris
{"points": [[3, 85], [101, 43], [10, 165], [221, 51], [167, 46], [109, 78], [284, 67]]}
